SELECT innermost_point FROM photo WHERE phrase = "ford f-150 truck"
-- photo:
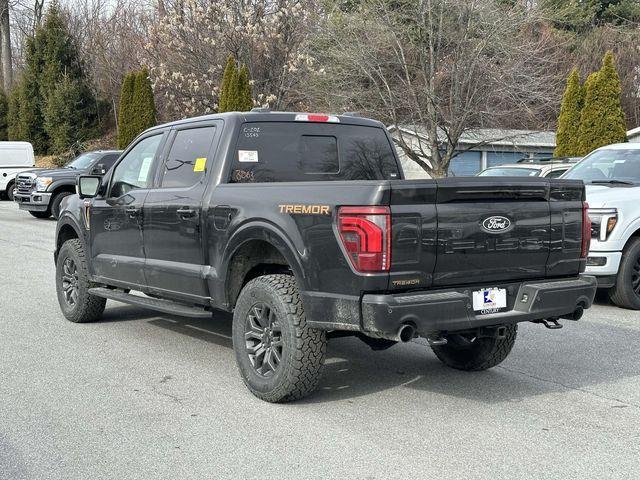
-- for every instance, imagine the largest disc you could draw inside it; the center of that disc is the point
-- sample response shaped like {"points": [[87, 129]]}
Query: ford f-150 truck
{"points": [[304, 227], [612, 178]]}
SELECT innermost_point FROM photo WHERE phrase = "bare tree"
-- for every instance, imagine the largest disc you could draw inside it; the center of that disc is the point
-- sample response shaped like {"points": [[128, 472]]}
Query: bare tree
{"points": [[442, 67], [5, 39]]}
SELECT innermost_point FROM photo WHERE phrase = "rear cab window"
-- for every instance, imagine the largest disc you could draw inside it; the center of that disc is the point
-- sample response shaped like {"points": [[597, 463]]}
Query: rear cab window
{"points": [[299, 152]]}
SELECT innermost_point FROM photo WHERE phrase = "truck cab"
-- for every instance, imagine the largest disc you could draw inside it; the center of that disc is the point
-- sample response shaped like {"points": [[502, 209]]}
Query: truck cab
{"points": [[303, 226]]}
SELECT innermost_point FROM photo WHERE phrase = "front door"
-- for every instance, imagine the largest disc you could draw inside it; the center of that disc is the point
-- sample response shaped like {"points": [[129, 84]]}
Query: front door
{"points": [[116, 220], [175, 262]]}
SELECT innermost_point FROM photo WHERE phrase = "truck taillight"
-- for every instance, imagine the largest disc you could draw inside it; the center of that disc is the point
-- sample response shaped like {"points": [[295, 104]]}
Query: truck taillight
{"points": [[365, 233], [586, 230]]}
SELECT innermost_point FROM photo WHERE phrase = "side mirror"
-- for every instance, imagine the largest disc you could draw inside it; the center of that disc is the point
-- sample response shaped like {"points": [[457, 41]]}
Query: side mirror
{"points": [[99, 170], [88, 186]]}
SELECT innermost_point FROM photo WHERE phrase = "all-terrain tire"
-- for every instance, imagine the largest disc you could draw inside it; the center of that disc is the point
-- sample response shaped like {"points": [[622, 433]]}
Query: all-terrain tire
{"points": [[476, 355], [55, 203], [86, 308], [45, 214], [623, 293], [303, 348]]}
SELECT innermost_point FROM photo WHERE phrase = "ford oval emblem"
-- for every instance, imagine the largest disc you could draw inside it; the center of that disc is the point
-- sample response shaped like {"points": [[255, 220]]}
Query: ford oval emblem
{"points": [[496, 224]]}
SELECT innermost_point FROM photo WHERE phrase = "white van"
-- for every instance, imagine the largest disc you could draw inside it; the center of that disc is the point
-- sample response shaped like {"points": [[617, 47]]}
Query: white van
{"points": [[15, 157]]}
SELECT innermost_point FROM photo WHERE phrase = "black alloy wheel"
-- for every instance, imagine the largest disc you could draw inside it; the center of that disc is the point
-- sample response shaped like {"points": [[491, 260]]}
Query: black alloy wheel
{"points": [[263, 339]]}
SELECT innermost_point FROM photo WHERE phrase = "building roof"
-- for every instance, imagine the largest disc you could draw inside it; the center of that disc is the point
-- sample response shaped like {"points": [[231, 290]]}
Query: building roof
{"points": [[492, 136], [634, 132]]}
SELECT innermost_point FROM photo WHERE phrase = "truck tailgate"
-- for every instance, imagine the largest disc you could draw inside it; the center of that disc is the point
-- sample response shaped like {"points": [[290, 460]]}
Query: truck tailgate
{"points": [[481, 230]]}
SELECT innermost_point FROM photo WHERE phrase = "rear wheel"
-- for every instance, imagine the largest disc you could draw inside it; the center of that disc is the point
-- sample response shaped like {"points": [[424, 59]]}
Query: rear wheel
{"points": [[45, 214], [55, 203], [470, 353], [279, 357], [72, 285]]}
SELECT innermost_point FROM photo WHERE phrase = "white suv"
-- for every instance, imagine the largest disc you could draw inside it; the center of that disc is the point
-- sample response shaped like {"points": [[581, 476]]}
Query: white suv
{"points": [[612, 178]]}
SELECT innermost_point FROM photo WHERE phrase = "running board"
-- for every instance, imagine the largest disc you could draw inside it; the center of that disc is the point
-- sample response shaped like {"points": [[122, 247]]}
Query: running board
{"points": [[164, 306]]}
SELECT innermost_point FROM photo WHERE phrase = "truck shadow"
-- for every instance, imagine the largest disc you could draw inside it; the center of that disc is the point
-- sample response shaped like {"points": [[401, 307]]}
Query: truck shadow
{"points": [[580, 357]]}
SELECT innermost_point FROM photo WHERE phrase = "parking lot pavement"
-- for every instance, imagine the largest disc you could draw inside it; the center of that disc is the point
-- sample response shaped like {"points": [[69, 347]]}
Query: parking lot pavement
{"points": [[141, 395]]}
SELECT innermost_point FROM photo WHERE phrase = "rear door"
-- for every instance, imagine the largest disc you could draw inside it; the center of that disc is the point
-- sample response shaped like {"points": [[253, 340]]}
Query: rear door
{"points": [[173, 220]]}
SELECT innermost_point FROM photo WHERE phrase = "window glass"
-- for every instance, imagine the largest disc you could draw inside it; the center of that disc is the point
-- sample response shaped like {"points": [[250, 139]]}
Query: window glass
{"points": [[109, 159], [608, 166], [134, 171], [556, 173], [82, 162], [188, 158], [301, 151], [509, 172]]}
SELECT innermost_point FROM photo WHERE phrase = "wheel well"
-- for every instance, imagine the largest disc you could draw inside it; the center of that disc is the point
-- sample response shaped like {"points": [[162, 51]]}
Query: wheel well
{"points": [[253, 259], [67, 232], [64, 188]]}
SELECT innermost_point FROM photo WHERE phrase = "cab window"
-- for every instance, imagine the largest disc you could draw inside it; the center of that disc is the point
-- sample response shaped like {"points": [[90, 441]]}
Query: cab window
{"points": [[134, 171], [188, 160]]}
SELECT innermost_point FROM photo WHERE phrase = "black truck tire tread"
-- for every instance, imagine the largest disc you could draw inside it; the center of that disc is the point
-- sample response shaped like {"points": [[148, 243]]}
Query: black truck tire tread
{"points": [[622, 293], [90, 308], [45, 214], [56, 200], [498, 350], [310, 344]]}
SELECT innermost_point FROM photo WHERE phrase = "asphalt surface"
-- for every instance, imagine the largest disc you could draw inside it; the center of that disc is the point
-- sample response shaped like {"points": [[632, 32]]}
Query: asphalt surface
{"points": [[146, 396]]}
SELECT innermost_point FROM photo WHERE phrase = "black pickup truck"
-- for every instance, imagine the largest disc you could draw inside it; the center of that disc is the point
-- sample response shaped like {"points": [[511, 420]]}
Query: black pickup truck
{"points": [[303, 226], [42, 190]]}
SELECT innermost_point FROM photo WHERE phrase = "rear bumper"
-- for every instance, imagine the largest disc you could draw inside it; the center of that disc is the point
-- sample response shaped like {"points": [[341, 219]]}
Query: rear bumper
{"points": [[451, 310], [34, 202]]}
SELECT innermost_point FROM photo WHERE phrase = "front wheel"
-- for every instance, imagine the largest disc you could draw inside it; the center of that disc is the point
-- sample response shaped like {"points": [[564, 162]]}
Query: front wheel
{"points": [[72, 285], [11, 190], [626, 292], [471, 353], [280, 358], [56, 201]]}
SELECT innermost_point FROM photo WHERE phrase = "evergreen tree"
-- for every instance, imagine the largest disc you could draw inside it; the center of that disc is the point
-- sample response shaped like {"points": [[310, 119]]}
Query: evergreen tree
{"points": [[64, 116], [30, 124], [3, 116], [125, 111], [602, 121], [244, 99], [52, 58], [569, 119], [227, 86], [13, 113], [144, 107]]}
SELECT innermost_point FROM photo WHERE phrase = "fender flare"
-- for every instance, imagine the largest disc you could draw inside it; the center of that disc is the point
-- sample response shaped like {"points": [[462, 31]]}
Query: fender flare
{"points": [[269, 233], [67, 220]]}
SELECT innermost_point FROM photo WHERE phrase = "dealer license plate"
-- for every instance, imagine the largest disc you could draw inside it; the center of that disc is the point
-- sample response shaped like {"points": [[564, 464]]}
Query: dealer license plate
{"points": [[489, 300]]}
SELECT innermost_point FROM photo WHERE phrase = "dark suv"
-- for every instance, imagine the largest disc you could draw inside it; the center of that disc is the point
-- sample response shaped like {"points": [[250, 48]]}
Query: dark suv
{"points": [[41, 191]]}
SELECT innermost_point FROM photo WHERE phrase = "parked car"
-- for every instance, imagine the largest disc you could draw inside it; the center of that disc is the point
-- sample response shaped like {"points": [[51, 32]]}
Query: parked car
{"points": [[41, 191], [532, 167], [303, 227], [612, 178], [15, 157]]}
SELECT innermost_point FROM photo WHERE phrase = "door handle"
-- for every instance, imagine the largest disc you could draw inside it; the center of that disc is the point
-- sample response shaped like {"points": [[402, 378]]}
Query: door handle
{"points": [[186, 212], [132, 212]]}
